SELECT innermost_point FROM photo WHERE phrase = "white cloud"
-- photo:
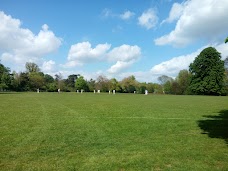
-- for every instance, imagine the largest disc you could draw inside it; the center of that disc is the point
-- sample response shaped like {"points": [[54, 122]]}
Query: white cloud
{"points": [[124, 53], [148, 19], [127, 15], [174, 65], [48, 66], [81, 53], [205, 20], [124, 56], [119, 66], [175, 13], [20, 45]]}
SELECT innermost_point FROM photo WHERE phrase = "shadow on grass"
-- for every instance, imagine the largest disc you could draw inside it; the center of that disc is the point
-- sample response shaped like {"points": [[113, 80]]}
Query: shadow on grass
{"points": [[216, 126]]}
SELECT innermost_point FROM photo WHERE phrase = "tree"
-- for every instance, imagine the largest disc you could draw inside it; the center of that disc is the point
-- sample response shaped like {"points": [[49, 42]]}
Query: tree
{"points": [[32, 67], [141, 87], [102, 83], [226, 40], [164, 78], [129, 84], [36, 80], [5, 77], [183, 80], [81, 84], [91, 84], [150, 87], [207, 72], [114, 85], [70, 81]]}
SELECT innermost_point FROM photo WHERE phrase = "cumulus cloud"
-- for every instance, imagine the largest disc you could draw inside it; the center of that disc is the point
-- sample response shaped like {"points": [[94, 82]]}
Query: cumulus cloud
{"points": [[124, 56], [148, 19], [175, 13], [20, 45], [127, 15], [198, 20], [48, 66], [174, 65], [81, 53], [124, 53], [119, 66]]}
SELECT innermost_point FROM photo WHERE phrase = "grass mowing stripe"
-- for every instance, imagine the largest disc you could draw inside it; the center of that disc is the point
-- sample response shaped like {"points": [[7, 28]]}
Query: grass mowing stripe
{"points": [[70, 131]]}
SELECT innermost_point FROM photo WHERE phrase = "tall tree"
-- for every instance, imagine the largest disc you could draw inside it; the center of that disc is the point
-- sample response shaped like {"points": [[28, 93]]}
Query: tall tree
{"points": [[31, 67], [207, 72]]}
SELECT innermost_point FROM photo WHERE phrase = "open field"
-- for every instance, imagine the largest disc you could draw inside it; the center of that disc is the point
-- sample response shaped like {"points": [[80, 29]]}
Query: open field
{"points": [[70, 131]]}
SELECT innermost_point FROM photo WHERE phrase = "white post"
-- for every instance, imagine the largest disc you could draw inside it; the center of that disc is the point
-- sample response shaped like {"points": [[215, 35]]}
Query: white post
{"points": [[81, 90], [77, 91], [98, 91], [134, 92], [109, 92], [38, 91], [114, 91], [146, 92], [94, 91]]}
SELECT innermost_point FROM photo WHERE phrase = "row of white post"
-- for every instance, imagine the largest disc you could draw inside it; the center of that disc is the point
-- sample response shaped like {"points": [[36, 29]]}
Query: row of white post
{"points": [[98, 91]]}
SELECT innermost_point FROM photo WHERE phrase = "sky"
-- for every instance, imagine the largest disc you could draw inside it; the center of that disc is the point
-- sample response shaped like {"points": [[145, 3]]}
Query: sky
{"points": [[115, 38]]}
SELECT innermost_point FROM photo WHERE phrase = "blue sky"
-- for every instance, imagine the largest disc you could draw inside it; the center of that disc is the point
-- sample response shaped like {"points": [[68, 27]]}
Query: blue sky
{"points": [[115, 38]]}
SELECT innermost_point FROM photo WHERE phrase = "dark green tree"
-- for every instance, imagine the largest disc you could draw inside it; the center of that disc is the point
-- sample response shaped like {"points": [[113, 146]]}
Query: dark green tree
{"points": [[5, 78], [226, 40], [207, 72], [70, 81]]}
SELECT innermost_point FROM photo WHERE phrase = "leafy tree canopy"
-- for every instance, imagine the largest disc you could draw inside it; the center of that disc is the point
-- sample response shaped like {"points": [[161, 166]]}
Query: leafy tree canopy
{"points": [[207, 72]]}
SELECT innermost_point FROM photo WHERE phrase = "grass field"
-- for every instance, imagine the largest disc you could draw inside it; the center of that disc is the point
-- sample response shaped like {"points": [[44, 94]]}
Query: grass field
{"points": [[70, 131]]}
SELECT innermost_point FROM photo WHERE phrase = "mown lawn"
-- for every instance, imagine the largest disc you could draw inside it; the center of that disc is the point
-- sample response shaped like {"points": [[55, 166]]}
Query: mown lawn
{"points": [[70, 131]]}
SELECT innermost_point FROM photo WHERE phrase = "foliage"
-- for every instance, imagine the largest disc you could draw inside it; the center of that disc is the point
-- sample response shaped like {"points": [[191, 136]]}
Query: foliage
{"points": [[164, 78], [141, 87], [129, 84], [91, 84], [207, 72], [32, 67], [183, 81], [115, 85], [226, 40], [81, 84], [5, 77], [102, 84]]}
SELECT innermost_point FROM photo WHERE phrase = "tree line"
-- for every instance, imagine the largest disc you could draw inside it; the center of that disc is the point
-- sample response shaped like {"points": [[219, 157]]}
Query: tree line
{"points": [[207, 75]]}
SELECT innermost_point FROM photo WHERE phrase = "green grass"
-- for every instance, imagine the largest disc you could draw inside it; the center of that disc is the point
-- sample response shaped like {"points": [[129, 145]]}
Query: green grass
{"points": [[70, 131]]}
